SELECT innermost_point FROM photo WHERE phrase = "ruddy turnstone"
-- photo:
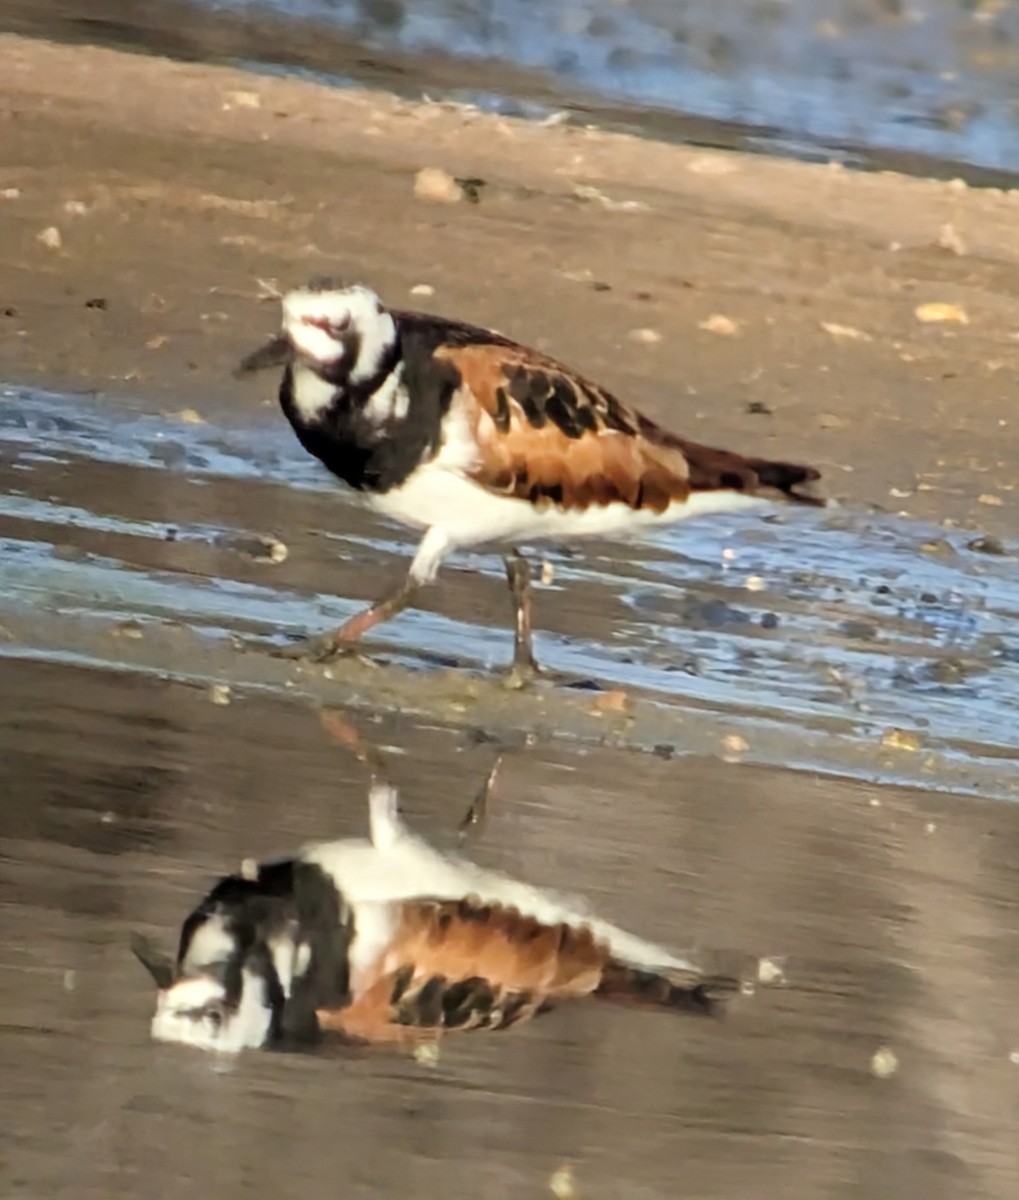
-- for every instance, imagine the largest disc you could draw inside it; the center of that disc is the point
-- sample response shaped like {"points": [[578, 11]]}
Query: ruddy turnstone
{"points": [[475, 439], [391, 941]]}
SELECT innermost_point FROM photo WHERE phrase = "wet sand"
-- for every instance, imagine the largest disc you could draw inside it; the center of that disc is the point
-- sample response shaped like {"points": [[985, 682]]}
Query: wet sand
{"points": [[183, 196], [897, 914], [137, 480]]}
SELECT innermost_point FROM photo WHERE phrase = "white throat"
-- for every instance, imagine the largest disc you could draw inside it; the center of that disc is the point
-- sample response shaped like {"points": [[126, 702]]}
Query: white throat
{"points": [[311, 394]]}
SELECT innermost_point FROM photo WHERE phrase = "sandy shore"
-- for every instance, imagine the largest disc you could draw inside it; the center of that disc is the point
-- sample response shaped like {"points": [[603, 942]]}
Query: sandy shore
{"points": [[148, 213], [784, 294]]}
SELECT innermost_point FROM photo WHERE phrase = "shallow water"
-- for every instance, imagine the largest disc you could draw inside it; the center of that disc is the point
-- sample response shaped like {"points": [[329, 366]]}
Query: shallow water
{"points": [[843, 626], [932, 77], [928, 86]]}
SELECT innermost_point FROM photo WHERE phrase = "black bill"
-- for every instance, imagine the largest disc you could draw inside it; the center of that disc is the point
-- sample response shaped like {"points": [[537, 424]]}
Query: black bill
{"points": [[276, 353], [158, 964]]}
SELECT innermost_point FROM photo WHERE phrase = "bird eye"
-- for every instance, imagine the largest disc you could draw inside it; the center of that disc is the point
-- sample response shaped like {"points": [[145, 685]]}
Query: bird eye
{"points": [[334, 326]]}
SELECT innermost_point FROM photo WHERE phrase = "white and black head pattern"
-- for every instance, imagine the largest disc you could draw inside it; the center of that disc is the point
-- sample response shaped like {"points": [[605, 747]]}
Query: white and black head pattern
{"points": [[256, 959], [344, 333], [363, 387]]}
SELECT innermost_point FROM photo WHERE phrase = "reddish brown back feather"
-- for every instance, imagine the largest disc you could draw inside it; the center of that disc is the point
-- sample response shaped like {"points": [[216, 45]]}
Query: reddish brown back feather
{"points": [[524, 963], [547, 435], [461, 939]]}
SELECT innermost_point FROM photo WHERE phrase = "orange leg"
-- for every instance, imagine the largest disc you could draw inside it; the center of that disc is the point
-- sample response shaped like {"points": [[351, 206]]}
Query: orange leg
{"points": [[320, 649], [369, 1018]]}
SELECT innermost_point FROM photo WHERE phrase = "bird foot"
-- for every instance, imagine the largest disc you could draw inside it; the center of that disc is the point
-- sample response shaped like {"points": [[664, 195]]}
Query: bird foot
{"points": [[324, 648], [521, 675]]}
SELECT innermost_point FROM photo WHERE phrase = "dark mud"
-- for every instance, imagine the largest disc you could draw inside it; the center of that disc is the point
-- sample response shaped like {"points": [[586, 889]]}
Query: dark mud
{"points": [[897, 914]]}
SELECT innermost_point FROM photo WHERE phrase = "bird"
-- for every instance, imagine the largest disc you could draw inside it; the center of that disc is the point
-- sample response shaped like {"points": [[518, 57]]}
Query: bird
{"points": [[389, 941], [473, 439]]}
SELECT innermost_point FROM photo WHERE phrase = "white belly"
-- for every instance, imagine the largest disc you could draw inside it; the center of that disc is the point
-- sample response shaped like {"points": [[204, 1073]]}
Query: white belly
{"points": [[471, 515]]}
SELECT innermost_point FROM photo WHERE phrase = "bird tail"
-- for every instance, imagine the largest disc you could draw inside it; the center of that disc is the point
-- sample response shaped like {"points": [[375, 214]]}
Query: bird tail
{"points": [[705, 995], [786, 479], [713, 470]]}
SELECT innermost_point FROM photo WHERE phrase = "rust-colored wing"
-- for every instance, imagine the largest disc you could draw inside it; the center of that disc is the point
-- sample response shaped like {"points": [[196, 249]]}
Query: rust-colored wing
{"points": [[550, 436], [466, 965]]}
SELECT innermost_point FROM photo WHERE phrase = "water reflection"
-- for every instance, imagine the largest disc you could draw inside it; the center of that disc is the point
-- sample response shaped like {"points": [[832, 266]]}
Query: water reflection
{"points": [[898, 915]]}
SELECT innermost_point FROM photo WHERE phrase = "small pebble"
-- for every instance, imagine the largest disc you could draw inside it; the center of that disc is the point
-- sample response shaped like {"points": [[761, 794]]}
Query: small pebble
{"points": [[940, 547], [562, 1183], [615, 701], [712, 165], [422, 289], [986, 545], [720, 324], [427, 1054], [75, 208], [647, 337], [884, 1063], [243, 99], [950, 670], [901, 739], [770, 972], [845, 333], [990, 499], [249, 869], [734, 747], [437, 185], [50, 238], [585, 192], [949, 239], [219, 694], [935, 312], [190, 416], [275, 551]]}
